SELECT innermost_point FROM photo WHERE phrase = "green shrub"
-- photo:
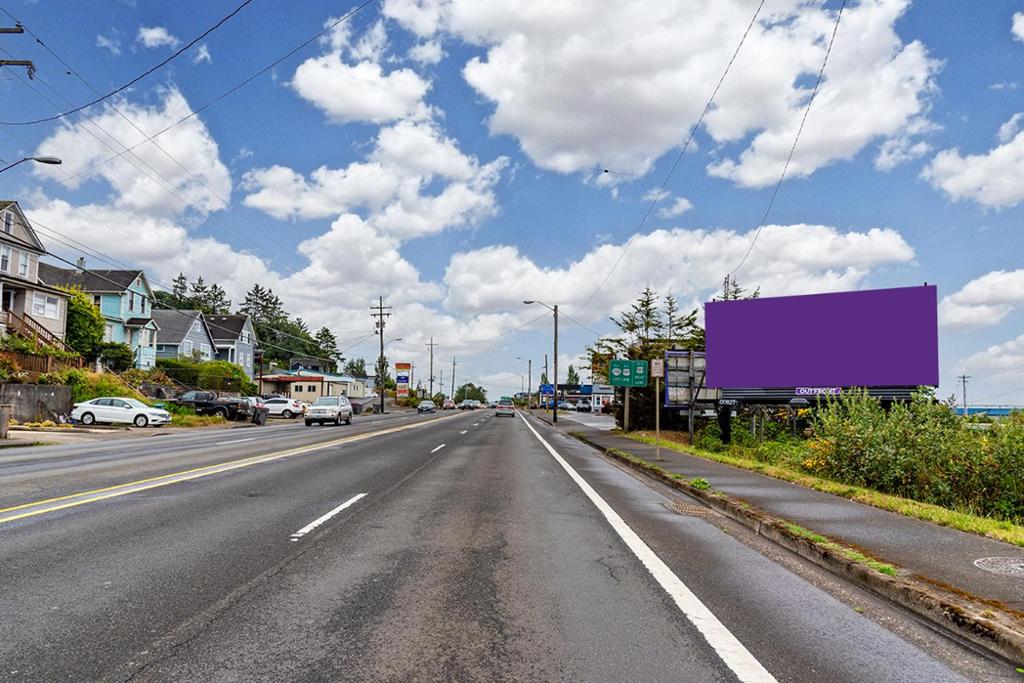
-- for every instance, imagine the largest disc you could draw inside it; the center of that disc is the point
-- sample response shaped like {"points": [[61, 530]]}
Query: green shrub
{"points": [[118, 357], [216, 375]]}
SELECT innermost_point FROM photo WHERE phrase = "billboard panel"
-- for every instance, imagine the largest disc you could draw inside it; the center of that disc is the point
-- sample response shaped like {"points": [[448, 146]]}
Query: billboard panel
{"points": [[883, 337]]}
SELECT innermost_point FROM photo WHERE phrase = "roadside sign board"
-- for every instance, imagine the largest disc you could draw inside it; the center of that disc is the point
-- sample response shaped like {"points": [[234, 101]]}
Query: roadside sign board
{"points": [[402, 373], [628, 373], [657, 367], [547, 389]]}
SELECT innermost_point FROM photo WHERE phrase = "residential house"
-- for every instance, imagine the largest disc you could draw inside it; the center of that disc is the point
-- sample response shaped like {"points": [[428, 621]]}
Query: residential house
{"points": [[310, 363], [30, 307], [125, 299], [184, 334], [309, 385], [235, 340]]}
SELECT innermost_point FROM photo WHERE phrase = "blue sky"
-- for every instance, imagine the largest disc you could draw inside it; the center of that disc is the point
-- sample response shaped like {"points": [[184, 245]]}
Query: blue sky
{"points": [[446, 155]]}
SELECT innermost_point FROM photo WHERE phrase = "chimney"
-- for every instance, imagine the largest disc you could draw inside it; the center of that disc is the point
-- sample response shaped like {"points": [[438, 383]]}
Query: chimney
{"points": [[80, 264]]}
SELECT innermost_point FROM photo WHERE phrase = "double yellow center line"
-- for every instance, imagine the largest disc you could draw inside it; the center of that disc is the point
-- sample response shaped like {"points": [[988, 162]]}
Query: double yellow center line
{"points": [[41, 507]]}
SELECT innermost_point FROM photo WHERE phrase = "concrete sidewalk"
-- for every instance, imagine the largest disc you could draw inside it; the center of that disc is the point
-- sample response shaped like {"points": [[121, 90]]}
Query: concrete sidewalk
{"points": [[921, 549]]}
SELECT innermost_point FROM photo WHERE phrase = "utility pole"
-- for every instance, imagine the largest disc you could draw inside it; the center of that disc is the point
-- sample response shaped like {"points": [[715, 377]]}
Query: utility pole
{"points": [[554, 406], [453, 378], [27, 63], [529, 382], [379, 313], [547, 378], [440, 383], [431, 346], [963, 381]]}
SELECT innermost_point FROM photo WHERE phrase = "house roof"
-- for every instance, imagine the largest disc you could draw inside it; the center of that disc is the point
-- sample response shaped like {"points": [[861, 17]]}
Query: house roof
{"points": [[175, 324], [90, 280], [16, 283], [226, 327]]}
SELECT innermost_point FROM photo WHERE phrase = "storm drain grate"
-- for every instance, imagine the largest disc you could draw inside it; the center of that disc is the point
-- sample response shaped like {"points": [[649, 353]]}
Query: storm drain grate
{"points": [[691, 510], [1007, 566]]}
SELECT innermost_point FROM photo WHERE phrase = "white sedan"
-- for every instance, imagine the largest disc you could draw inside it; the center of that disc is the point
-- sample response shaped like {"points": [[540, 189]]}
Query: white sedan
{"points": [[117, 410]]}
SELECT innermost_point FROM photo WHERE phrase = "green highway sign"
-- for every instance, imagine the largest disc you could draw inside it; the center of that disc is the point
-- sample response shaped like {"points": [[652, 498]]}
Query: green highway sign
{"points": [[628, 373]]}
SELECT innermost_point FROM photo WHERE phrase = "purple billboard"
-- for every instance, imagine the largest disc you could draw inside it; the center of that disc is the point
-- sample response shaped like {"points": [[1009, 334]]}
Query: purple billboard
{"points": [[873, 338]]}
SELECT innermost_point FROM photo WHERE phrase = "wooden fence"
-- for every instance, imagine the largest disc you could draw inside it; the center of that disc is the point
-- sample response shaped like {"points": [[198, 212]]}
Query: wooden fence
{"points": [[30, 362]]}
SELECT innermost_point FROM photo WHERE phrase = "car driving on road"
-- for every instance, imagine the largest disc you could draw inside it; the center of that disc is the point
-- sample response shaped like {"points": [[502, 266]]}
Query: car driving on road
{"points": [[334, 409], [448, 404], [115, 410], [505, 408], [426, 407]]}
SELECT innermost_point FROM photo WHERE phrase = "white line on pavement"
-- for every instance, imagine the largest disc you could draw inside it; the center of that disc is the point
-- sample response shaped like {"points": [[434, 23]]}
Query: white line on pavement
{"points": [[320, 520], [728, 647], [225, 443], [437, 449], [463, 431]]}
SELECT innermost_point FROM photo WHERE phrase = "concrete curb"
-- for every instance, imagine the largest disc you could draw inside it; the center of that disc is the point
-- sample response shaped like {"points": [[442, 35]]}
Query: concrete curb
{"points": [[973, 620]]}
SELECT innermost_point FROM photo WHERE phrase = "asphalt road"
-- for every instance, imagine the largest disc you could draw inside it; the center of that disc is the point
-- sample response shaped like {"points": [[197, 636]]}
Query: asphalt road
{"points": [[448, 547]]}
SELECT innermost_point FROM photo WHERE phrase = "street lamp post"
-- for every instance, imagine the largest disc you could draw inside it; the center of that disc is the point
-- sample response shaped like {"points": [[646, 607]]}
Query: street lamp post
{"points": [[554, 379], [529, 380], [53, 161]]}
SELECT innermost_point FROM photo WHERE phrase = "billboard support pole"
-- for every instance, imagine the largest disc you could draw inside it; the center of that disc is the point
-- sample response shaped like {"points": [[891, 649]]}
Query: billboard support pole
{"points": [[689, 415], [657, 417], [625, 419]]}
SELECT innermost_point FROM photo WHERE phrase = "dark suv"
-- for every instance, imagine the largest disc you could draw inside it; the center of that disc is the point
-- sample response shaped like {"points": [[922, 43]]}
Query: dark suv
{"points": [[210, 403]]}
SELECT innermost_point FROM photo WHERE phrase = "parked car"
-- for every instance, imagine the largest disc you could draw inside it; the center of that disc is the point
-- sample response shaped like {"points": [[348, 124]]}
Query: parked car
{"points": [[504, 408], [334, 409], [565, 405], [284, 407], [583, 407], [426, 406], [115, 410], [448, 404], [259, 409], [212, 403]]}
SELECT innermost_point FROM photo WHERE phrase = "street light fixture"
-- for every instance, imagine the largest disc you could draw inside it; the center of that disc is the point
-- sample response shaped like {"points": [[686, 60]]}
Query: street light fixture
{"points": [[554, 379], [53, 161]]}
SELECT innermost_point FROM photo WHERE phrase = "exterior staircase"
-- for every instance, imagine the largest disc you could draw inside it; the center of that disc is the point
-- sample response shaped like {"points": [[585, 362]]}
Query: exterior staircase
{"points": [[28, 327]]}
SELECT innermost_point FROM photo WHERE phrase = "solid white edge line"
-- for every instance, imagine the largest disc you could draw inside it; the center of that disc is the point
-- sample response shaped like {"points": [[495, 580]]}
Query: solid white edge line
{"points": [[320, 520], [729, 648], [463, 432], [437, 449], [225, 443]]}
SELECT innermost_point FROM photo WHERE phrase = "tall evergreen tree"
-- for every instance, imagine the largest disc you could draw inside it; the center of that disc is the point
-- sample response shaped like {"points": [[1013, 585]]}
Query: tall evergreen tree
{"points": [[572, 377], [356, 367]]}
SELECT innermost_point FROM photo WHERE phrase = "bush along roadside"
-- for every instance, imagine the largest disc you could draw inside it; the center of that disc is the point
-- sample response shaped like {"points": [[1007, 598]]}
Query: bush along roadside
{"points": [[997, 631]]}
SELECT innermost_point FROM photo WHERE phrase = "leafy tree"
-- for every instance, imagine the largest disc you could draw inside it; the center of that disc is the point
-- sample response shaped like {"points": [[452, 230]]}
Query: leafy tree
{"points": [[543, 378], [470, 391], [327, 345], [85, 325], [572, 377], [119, 357], [356, 367], [383, 373]]}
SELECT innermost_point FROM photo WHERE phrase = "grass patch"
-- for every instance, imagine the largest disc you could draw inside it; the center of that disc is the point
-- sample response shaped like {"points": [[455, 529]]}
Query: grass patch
{"points": [[193, 420], [983, 526]]}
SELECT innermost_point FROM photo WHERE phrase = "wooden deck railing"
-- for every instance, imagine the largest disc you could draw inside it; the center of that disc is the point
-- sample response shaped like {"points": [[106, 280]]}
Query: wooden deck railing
{"points": [[30, 328]]}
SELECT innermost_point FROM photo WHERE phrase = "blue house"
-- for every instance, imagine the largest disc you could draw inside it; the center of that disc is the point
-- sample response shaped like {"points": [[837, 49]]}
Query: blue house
{"points": [[235, 340], [184, 334], [125, 299]]}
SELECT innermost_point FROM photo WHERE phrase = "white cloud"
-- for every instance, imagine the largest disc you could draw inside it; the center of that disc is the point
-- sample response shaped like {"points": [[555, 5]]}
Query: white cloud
{"points": [[589, 84], [156, 36], [898, 151], [206, 183], [1018, 26], [984, 301], [111, 44], [1005, 361], [391, 184], [429, 52], [656, 194], [991, 179], [677, 208], [202, 54], [348, 83], [1009, 130], [788, 260]]}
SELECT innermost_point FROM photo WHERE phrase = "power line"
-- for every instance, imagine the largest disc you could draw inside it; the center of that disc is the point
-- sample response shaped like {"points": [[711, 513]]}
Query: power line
{"points": [[237, 86], [693, 131], [796, 139], [135, 80]]}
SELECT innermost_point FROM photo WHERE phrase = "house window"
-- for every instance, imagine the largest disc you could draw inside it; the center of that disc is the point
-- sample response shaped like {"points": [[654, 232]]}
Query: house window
{"points": [[108, 333], [97, 300], [298, 388], [186, 347], [23, 264], [8, 222], [45, 306], [312, 387], [205, 350], [5, 259], [131, 301]]}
